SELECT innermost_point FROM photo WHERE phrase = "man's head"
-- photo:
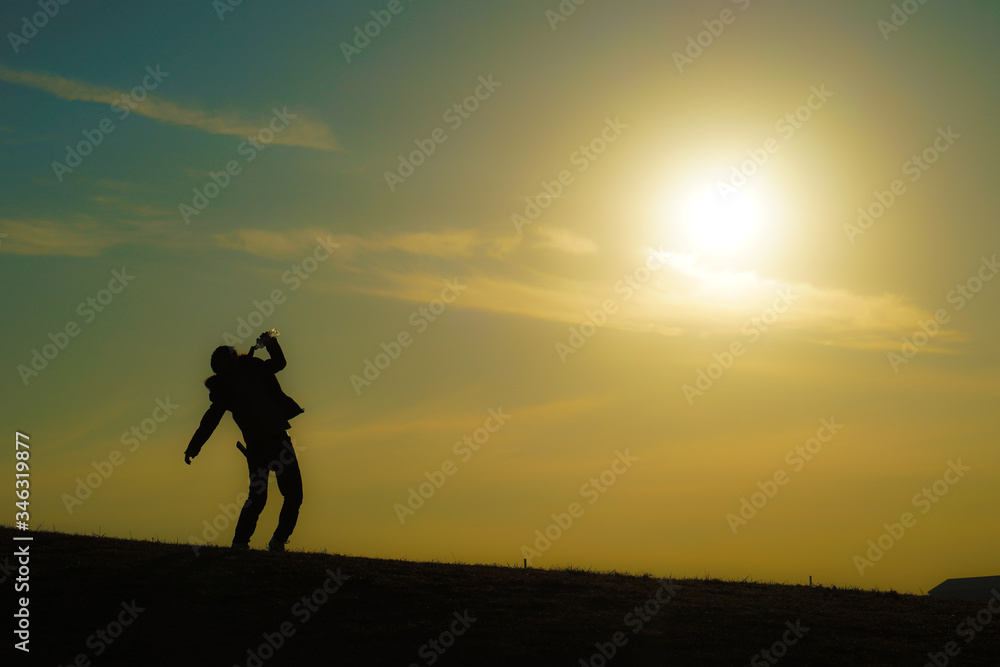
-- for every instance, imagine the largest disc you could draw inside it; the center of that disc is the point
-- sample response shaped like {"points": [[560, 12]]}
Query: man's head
{"points": [[224, 359]]}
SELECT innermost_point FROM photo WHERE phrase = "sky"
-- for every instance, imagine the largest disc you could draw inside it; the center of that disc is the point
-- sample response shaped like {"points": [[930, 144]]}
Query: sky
{"points": [[686, 288]]}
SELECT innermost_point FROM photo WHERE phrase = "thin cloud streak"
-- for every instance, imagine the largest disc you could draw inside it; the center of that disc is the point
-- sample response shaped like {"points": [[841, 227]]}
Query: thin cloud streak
{"points": [[302, 131], [44, 237]]}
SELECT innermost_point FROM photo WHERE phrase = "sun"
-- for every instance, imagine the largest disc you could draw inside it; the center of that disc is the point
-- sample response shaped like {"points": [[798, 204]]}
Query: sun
{"points": [[720, 225]]}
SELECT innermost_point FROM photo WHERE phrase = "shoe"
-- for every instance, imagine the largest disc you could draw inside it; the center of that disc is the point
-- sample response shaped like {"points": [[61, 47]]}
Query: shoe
{"points": [[240, 546], [276, 545]]}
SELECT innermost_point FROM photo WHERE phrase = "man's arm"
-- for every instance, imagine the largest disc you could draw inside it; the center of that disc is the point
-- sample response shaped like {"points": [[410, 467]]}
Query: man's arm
{"points": [[277, 360], [208, 423]]}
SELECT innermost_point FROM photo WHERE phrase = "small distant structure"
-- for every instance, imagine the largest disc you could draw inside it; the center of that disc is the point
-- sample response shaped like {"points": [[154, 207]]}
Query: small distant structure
{"points": [[979, 589]]}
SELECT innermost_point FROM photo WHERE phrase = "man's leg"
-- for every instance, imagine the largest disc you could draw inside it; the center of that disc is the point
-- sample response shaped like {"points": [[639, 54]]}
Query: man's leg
{"points": [[290, 485], [256, 498]]}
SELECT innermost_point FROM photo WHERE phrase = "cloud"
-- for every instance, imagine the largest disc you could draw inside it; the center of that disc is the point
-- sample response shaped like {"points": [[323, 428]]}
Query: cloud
{"points": [[301, 131], [451, 245], [470, 244], [563, 240], [88, 238], [44, 237], [343, 430], [461, 243], [725, 301], [274, 245], [680, 297]]}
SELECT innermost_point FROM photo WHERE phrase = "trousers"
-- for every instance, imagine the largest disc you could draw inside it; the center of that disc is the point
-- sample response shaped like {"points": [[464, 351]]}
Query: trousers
{"points": [[264, 455]]}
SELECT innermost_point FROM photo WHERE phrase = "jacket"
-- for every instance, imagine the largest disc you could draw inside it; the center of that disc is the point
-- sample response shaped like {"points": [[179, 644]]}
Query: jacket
{"points": [[253, 395]]}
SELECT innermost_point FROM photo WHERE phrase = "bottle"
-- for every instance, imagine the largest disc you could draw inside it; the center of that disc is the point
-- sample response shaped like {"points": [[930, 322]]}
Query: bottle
{"points": [[264, 337]]}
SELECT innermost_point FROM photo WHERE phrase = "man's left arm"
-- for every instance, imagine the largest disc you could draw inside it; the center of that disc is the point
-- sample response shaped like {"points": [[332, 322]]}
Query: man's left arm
{"points": [[208, 423], [277, 360]]}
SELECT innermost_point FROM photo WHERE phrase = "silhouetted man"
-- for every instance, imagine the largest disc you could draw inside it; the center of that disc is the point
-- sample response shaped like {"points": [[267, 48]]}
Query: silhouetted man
{"points": [[247, 387]]}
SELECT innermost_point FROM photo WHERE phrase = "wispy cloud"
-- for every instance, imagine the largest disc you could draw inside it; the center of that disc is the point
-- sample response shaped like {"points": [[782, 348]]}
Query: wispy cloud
{"points": [[302, 130], [89, 238], [44, 237], [451, 244], [680, 298], [448, 244], [273, 245], [344, 431], [504, 276], [563, 240]]}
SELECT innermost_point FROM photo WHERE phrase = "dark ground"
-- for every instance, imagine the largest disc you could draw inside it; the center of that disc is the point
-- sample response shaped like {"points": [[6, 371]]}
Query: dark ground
{"points": [[216, 608]]}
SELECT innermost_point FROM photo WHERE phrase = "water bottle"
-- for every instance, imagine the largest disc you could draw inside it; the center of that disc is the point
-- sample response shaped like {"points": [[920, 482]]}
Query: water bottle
{"points": [[264, 337]]}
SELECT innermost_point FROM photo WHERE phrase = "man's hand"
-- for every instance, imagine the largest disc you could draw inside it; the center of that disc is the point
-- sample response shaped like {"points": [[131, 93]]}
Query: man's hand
{"points": [[264, 339], [187, 458]]}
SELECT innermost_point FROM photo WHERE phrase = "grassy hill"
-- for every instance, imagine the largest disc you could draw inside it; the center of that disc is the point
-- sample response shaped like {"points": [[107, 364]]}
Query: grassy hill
{"points": [[219, 608]]}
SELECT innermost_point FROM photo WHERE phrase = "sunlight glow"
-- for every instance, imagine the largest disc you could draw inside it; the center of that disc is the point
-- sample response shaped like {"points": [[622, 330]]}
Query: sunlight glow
{"points": [[720, 227]]}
